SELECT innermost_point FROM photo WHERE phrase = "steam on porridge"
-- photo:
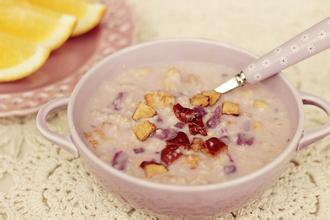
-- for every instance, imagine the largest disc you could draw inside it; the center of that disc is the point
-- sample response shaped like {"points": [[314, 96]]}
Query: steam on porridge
{"points": [[164, 123]]}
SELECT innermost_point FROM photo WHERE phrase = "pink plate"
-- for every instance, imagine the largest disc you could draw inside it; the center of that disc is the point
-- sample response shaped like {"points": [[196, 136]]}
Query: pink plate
{"points": [[66, 65]]}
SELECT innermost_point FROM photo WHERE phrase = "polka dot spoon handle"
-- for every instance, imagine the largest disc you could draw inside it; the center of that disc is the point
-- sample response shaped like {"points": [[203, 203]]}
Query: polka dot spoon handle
{"points": [[306, 44]]}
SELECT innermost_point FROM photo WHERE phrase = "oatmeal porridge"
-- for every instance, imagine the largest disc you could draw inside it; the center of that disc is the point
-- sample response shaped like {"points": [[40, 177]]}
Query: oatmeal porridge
{"points": [[164, 123]]}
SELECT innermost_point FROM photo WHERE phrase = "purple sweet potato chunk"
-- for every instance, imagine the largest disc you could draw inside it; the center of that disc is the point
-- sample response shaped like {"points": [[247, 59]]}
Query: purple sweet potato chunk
{"points": [[199, 111], [244, 139], [119, 160], [164, 134], [214, 120], [138, 150], [117, 102], [179, 125], [229, 169]]}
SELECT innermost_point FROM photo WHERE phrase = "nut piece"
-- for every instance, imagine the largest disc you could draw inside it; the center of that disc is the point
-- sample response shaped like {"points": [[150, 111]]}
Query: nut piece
{"points": [[143, 130], [143, 111], [200, 100], [260, 104], [192, 161], [152, 168], [197, 144], [213, 95], [206, 98], [159, 99], [256, 125], [172, 79], [230, 108]]}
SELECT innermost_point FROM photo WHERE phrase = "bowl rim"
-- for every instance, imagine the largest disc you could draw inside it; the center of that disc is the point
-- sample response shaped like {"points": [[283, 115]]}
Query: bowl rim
{"points": [[89, 155]]}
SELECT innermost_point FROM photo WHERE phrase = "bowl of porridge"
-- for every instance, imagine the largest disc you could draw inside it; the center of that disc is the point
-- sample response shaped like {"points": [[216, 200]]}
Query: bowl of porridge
{"points": [[148, 124]]}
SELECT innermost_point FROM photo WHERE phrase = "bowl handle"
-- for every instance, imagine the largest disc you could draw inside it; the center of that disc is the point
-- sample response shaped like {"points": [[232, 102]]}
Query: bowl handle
{"points": [[62, 140], [314, 135]]}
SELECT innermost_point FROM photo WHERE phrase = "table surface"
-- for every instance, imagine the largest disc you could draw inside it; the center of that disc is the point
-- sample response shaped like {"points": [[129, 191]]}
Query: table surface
{"points": [[40, 181]]}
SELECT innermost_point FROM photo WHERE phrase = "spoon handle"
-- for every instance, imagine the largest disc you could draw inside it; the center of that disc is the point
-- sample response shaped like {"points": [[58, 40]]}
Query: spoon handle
{"points": [[304, 45]]}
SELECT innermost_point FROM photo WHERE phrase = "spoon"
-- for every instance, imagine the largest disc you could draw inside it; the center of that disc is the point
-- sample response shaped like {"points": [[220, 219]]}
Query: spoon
{"points": [[302, 46]]}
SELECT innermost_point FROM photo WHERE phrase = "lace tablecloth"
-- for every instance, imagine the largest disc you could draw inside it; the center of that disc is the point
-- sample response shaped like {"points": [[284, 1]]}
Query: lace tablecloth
{"points": [[40, 181]]}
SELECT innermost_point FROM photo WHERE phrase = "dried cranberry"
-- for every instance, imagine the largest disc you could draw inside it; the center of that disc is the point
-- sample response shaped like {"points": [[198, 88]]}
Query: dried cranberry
{"points": [[119, 160], [215, 146], [196, 129], [194, 118], [170, 154], [182, 113], [181, 139]]}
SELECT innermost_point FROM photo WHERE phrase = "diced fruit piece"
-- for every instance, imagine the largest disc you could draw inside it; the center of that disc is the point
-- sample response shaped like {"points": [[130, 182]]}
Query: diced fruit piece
{"points": [[152, 168], [192, 161], [197, 144], [206, 98], [119, 160], [214, 146], [18, 58], [200, 100], [172, 79], [214, 120], [35, 25], [143, 130], [183, 114], [181, 139], [244, 139], [170, 154], [88, 14], [260, 104], [143, 111], [159, 99], [230, 108], [213, 96], [256, 125]]}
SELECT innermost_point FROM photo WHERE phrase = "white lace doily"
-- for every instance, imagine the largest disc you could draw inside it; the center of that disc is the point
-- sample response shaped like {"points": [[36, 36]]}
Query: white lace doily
{"points": [[40, 181]]}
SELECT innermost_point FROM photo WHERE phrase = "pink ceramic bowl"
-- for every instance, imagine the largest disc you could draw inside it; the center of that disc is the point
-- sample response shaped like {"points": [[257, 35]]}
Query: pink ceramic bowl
{"points": [[170, 199]]}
